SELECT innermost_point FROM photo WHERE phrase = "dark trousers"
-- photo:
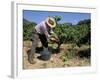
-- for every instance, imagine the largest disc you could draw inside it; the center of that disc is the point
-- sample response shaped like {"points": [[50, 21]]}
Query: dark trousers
{"points": [[43, 40]]}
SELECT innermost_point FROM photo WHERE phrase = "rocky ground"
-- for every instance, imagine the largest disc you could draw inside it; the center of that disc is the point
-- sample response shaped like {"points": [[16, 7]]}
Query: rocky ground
{"points": [[54, 62]]}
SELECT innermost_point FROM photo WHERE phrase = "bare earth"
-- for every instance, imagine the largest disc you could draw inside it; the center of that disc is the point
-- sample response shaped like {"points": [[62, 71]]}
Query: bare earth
{"points": [[54, 62]]}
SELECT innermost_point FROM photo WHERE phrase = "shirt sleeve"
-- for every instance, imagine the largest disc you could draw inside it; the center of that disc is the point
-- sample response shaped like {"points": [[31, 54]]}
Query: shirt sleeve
{"points": [[45, 31], [47, 34]]}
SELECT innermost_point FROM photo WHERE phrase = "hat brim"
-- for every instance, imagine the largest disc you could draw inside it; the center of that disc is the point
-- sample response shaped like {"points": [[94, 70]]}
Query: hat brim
{"points": [[52, 26]]}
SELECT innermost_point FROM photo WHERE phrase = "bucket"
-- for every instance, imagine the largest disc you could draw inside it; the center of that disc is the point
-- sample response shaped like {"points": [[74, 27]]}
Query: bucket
{"points": [[45, 55]]}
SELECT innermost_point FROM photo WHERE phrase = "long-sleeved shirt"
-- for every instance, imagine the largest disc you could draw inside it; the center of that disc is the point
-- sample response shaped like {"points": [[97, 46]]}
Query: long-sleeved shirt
{"points": [[42, 29]]}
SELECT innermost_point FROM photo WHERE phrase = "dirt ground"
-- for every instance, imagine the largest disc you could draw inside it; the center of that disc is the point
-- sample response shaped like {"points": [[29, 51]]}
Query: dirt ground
{"points": [[54, 62]]}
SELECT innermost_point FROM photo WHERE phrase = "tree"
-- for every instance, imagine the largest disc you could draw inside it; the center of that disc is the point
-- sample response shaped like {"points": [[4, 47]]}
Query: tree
{"points": [[27, 29], [63, 32], [80, 34], [57, 18], [87, 24], [77, 34]]}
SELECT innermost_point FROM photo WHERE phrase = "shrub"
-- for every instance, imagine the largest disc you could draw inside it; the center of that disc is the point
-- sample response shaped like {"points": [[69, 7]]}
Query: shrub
{"points": [[69, 54]]}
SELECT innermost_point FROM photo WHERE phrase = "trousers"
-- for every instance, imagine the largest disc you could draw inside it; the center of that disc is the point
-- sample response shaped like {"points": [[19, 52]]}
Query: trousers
{"points": [[34, 37]]}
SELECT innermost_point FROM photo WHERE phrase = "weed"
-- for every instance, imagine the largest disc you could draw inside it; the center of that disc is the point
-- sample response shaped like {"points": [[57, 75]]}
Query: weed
{"points": [[69, 54]]}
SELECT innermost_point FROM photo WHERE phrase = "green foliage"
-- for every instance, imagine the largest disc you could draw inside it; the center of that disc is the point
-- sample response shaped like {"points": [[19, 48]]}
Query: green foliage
{"points": [[57, 18], [81, 34], [68, 55], [27, 29], [61, 31], [78, 34]]}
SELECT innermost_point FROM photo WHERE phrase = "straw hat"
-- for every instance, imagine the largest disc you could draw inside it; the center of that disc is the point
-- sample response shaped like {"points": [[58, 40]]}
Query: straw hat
{"points": [[51, 21]]}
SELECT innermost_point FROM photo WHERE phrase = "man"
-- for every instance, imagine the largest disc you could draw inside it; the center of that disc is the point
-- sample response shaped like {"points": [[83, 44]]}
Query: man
{"points": [[44, 31]]}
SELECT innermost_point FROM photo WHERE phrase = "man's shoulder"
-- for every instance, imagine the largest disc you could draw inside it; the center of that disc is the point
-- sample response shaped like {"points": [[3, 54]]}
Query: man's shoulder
{"points": [[39, 24], [42, 23]]}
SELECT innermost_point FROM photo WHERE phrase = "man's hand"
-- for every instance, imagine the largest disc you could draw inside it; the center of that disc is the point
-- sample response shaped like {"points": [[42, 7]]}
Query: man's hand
{"points": [[54, 39]]}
